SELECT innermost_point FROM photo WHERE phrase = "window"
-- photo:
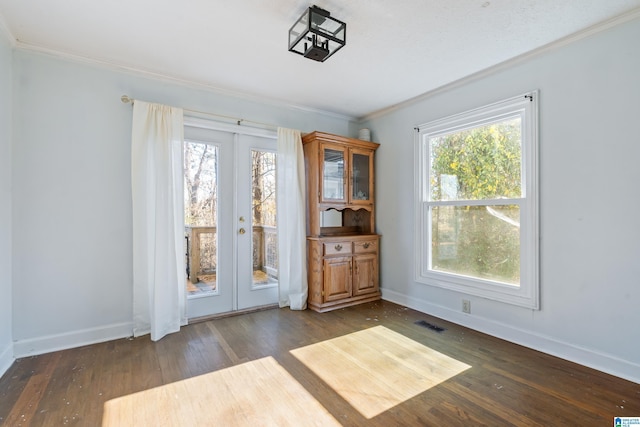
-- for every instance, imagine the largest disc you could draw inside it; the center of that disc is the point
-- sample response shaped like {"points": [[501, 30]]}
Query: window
{"points": [[477, 202]]}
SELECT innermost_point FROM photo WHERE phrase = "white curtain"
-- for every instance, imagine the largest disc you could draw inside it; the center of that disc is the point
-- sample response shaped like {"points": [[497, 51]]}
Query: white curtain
{"points": [[158, 225], [292, 260]]}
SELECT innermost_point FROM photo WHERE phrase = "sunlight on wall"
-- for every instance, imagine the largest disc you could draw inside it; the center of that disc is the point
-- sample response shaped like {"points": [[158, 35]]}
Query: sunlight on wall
{"points": [[255, 393], [377, 369]]}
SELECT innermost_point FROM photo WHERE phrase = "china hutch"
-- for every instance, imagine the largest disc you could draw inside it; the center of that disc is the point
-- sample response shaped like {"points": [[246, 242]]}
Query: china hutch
{"points": [[342, 247]]}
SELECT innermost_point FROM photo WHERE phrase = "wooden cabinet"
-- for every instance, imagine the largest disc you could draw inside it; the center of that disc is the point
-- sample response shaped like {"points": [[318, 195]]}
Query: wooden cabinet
{"points": [[341, 272], [346, 174], [340, 178], [342, 247]]}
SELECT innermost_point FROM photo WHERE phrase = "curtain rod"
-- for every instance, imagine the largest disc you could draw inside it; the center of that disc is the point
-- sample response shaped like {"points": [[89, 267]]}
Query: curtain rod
{"points": [[239, 121]]}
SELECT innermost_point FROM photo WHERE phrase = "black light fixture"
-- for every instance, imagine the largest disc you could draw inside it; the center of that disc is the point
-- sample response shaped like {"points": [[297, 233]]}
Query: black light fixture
{"points": [[316, 35]]}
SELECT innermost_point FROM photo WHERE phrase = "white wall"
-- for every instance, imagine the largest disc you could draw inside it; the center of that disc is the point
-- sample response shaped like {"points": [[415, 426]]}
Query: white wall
{"points": [[589, 198], [72, 198], [6, 337]]}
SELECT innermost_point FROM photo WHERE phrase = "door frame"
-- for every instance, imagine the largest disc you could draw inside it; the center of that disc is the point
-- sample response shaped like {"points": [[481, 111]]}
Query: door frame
{"points": [[199, 306]]}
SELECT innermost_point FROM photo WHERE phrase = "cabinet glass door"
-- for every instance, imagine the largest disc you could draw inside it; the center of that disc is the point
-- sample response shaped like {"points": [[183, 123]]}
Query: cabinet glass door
{"points": [[333, 174], [361, 173]]}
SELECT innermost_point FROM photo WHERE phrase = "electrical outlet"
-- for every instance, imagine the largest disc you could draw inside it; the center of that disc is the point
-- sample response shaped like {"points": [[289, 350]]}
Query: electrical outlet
{"points": [[466, 306]]}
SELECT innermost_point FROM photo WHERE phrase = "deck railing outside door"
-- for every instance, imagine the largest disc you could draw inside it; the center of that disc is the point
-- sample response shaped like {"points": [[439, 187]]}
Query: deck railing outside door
{"points": [[201, 250]]}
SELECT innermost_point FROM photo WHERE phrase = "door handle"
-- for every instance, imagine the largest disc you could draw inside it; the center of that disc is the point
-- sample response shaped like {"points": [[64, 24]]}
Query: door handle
{"points": [[242, 231]]}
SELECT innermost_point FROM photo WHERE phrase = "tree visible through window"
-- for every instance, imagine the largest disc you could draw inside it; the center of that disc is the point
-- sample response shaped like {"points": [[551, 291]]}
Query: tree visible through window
{"points": [[201, 214], [481, 163], [478, 205], [265, 241]]}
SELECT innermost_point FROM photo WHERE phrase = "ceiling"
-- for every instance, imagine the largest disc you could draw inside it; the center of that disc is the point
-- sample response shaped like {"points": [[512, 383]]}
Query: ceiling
{"points": [[395, 51]]}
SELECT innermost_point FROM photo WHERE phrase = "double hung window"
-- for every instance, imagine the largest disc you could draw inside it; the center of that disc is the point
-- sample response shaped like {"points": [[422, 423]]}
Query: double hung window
{"points": [[477, 202]]}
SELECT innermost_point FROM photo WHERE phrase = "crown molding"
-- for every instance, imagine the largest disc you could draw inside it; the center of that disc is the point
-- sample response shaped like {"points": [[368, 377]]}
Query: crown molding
{"points": [[4, 29], [165, 78], [572, 38]]}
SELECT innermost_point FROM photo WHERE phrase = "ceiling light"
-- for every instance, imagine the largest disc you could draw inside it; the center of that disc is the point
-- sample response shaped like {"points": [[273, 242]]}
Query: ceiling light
{"points": [[316, 35]]}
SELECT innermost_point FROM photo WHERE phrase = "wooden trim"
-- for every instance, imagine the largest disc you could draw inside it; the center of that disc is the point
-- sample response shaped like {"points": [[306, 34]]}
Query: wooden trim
{"points": [[328, 137], [329, 306], [232, 313]]}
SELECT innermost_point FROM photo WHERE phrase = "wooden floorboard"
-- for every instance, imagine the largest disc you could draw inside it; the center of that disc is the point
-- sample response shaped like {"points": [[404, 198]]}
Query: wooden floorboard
{"points": [[498, 383]]}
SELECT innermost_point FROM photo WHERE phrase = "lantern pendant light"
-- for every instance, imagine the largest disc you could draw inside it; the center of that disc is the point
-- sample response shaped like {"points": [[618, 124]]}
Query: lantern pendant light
{"points": [[316, 35]]}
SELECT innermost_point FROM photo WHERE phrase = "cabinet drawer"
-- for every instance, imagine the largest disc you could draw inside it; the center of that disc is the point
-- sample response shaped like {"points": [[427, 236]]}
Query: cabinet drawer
{"points": [[337, 248], [366, 246]]}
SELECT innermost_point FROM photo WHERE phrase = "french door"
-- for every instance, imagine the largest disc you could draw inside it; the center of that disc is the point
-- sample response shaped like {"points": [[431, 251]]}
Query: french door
{"points": [[230, 218]]}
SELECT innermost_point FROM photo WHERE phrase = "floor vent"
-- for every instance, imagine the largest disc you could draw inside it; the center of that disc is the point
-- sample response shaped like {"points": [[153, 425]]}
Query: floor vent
{"points": [[428, 325]]}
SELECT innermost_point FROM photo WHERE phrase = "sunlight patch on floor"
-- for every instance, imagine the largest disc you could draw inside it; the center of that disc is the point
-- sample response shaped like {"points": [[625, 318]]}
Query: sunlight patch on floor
{"points": [[257, 393], [377, 368]]}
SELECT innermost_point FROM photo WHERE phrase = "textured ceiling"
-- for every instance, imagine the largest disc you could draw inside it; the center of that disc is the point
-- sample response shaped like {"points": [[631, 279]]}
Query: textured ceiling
{"points": [[396, 50]]}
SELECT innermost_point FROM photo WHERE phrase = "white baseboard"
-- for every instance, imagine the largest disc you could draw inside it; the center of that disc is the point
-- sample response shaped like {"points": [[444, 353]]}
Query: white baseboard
{"points": [[593, 359], [50, 343], [6, 359]]}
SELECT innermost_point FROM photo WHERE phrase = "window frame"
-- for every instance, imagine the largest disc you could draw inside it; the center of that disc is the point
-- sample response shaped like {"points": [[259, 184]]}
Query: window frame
{"points": [[527, 294]]}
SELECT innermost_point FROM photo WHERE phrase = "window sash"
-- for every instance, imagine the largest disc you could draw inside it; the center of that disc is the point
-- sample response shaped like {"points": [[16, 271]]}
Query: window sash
{"points": [[428, 248]]}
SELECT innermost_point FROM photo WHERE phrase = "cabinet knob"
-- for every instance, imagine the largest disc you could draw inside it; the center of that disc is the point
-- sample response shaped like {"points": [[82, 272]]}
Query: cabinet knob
{"points": [[366, 245], [338, 247]]}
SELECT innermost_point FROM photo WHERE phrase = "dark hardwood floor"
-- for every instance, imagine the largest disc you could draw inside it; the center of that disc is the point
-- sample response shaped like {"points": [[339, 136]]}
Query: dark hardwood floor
{"points": [[506, 384]]}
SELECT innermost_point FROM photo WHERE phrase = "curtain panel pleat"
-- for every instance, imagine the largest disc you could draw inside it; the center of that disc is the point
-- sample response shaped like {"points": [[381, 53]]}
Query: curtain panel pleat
{"points": [[292, 261], [159, 296]]}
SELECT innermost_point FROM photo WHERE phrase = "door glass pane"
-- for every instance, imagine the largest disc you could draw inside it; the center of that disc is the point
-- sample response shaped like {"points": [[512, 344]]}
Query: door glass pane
{"points": [[333, 175], [201, 217], [477, 241], [264, 243], [360, 177]]}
